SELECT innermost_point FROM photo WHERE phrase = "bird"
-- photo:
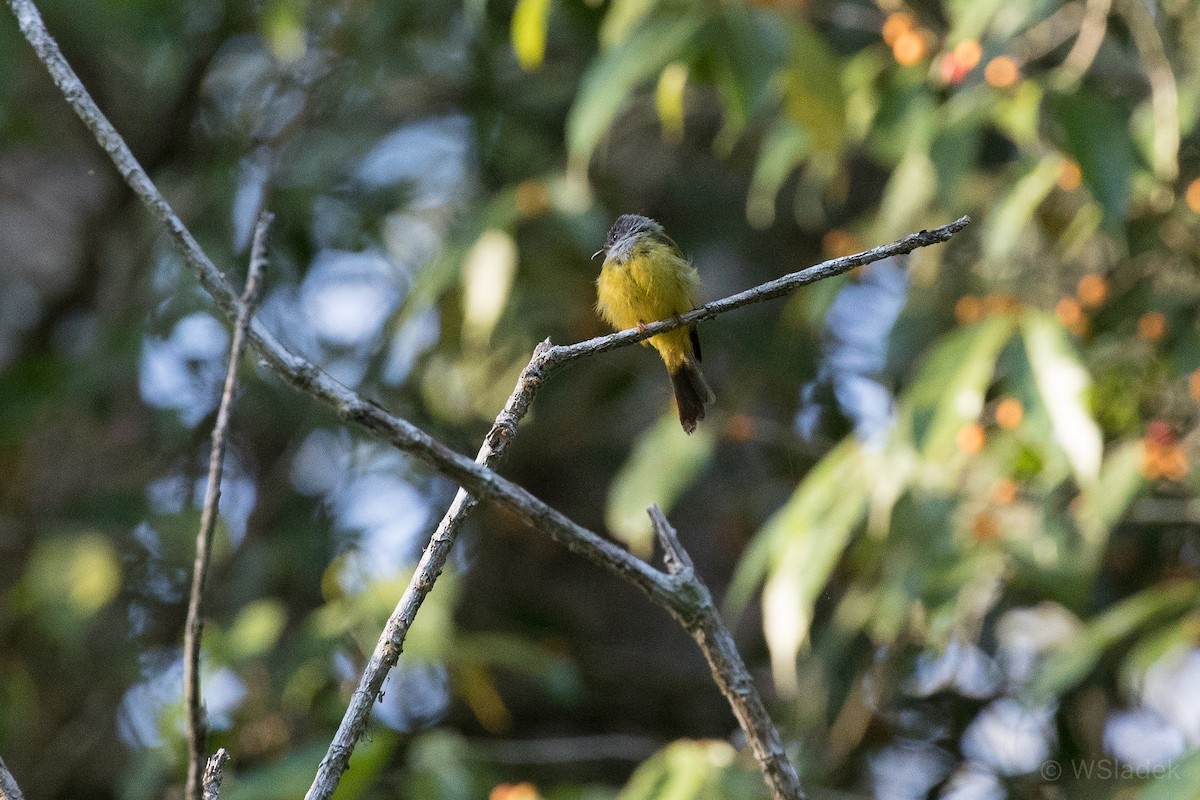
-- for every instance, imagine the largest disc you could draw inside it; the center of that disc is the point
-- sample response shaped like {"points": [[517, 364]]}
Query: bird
{"points": [[646, 278]]}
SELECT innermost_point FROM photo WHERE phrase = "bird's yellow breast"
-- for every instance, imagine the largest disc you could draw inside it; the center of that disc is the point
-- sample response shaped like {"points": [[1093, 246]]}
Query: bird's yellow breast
{"points": [[653, 283]]}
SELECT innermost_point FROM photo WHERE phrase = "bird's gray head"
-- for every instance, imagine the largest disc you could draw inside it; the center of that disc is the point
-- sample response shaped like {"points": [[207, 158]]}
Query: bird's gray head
{"points": [[625, 233]]}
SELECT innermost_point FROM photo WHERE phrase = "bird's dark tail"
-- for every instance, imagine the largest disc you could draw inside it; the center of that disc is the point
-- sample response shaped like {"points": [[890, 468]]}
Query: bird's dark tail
{"points": [[691, 393]]}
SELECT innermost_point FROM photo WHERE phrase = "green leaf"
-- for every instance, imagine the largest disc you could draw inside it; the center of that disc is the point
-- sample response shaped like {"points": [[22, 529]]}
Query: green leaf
{"points": [[291, 775], [797, 550], [1013, 213], [748, 48], [970, 19], [1067, 665], [1103, 503], [487, 278], [256, 629], [812, 90], [664, 462], [816, 497], [1176, 782], [693, 770], [530, 21], [783, 148], [1063, 384], [442, 766], [618, 71], [668, 100], [949, 390], [622, 17], [1177, 637], [1097, 136], [910, 190]]}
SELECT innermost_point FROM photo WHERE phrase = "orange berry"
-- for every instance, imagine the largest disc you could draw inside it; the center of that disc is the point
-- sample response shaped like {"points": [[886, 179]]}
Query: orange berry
{"points": [[1174, 463], [837, 243], [1194, 385], [1005, 491], [1152, 464], [985, 528], [948, 69], [741, 428], [969, 309], [909, 48], [970, 438], [967, 53], [1068, 311], [1009, 413], [1002, 72], [1159, 434], [1151, 326], [1092, 291], [1070, 175], [514, 791], [897, 24], [1001, 303], [531, 198], [1192, 195]]}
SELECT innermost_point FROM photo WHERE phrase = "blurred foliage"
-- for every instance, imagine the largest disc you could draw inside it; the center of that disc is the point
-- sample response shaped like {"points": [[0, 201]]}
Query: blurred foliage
{"points": [[973, 553]]}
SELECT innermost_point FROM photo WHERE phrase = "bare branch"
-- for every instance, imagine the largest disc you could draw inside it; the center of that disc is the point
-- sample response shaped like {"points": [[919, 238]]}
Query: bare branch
{"points": [[214, 774], [476, 479], [196, 724], [699, 616], [8, 785]]}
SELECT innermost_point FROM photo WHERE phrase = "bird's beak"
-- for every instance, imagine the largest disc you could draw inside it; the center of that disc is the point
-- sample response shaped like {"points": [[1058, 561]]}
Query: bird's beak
{"points": [[597, 253]]}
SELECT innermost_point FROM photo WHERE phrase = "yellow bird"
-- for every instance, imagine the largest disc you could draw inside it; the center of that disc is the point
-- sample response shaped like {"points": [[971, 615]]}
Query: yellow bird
{"points": [[645, 278]]}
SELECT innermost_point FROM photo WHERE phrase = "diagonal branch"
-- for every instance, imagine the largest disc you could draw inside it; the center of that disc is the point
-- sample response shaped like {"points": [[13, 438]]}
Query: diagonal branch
{"points": [[196, 723], [476, 480], [8, 785], [433, 561]]}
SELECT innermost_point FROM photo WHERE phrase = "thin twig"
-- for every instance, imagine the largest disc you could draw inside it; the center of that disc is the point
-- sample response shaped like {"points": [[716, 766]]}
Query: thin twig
{"points": [[214, 774], [8, 785], [475, 479], [196, 723]]}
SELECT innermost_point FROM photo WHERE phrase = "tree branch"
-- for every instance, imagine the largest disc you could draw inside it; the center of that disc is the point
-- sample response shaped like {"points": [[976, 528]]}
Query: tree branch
{"points": [[8, 785], [476, 479], [196, 723], [214, 774], [546, 359], [699, 617]]}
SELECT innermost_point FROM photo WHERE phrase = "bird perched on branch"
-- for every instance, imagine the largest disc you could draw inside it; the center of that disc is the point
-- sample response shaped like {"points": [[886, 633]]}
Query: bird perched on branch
{"points": [[645, 278]]}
